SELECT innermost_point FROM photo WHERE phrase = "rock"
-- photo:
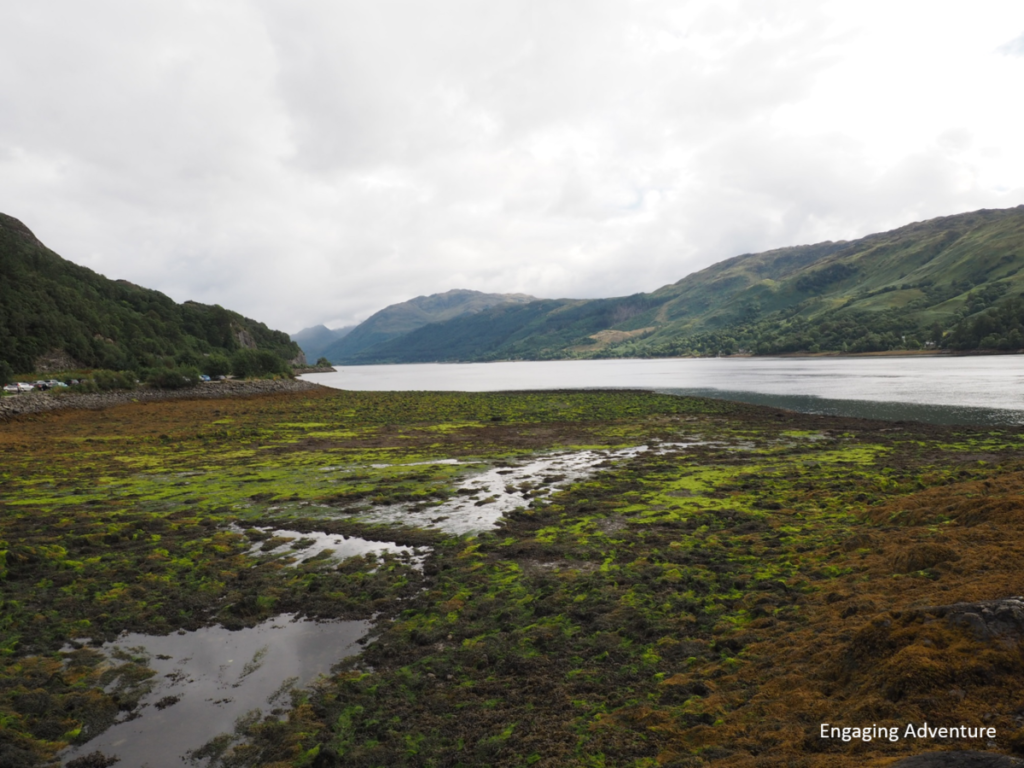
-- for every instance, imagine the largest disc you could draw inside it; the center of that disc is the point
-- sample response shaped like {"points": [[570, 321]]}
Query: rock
{"points": [[965, 759], [57, 360], [243, 337], [1001, 619]]}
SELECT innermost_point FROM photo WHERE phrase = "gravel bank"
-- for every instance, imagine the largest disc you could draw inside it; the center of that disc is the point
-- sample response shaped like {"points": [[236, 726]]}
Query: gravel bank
{"points": [[36, 402]]}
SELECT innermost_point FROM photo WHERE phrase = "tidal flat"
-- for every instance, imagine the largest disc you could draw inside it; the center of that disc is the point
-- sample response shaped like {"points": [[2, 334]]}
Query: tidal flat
{"points": [[671, 581]]}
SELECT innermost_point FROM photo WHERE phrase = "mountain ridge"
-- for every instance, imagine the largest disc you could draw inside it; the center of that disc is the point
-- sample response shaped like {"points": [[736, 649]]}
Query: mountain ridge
{"points": [[316, 339], [953, 281], [399, 319]]}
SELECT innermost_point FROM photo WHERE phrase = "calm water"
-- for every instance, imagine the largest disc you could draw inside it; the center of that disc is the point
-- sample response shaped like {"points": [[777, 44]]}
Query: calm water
{"points": [[939, 389], [214, 676]]}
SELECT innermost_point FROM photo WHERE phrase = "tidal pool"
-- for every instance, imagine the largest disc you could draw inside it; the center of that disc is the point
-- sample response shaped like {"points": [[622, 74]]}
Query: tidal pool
{"points": [[481, 499], [316, 545], [206, 680]]}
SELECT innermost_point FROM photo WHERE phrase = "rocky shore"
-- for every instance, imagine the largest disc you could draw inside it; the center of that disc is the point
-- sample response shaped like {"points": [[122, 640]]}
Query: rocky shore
{"points": [[36, 402]]}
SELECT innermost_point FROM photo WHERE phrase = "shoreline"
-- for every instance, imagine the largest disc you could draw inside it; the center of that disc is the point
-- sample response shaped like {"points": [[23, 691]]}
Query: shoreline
{"points": [[745, 356], [39, 402]]}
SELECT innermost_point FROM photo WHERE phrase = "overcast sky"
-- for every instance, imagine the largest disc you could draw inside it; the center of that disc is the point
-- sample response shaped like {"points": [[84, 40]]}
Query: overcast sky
{"points": [[311, 162]]}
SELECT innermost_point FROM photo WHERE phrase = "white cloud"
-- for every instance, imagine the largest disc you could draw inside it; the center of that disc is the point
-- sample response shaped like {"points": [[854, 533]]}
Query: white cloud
{"points": [[1013, 48], [314, 162]]}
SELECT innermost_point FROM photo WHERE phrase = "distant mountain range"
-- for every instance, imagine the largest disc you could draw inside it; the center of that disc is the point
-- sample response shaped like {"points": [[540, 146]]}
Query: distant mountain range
{"points": [[953, 282], [56, 315], [315, 341], [398, 320]]}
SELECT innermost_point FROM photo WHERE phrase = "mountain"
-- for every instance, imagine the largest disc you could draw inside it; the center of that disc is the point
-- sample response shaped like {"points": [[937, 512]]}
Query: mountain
{"points": [[314, 341], [952, 282], [57, 315], [398, 320]]}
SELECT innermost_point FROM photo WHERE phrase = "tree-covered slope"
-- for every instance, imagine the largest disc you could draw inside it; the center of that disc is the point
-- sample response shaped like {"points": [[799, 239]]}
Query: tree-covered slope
{"points": [[951, 282], [53, 309]]}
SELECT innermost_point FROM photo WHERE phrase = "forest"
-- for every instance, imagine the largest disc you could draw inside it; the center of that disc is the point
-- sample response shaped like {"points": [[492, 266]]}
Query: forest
{"points": [[49, 304]]}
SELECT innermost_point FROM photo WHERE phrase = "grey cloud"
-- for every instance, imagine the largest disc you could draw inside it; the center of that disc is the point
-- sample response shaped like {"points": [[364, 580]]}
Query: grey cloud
{"points": [[1013, 48], [313, 162]]}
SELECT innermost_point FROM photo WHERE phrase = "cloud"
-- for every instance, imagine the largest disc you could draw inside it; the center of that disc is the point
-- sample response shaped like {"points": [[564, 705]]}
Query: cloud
{"points": [[313, 162], [1013, 48]]}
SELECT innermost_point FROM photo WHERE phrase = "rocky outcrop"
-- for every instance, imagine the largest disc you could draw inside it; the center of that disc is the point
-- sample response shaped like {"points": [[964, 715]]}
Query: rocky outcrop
{"points": [[1001, 619], [56, 360], [965, 759], [36, 402], [243, 337]]}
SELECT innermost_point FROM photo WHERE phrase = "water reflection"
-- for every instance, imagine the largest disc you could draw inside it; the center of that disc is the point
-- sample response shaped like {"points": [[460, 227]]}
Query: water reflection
{"points": [[482, 498], [207, 679], [295, 546]]}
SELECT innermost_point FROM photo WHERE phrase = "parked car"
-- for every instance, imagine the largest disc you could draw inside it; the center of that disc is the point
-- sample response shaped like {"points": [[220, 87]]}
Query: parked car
{"points": [[13, 388], [204, 377]]}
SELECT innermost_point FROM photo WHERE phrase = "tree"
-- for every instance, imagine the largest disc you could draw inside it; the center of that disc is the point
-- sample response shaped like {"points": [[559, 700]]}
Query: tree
{"points": [[216, 365], [175, 378], [257, 362]]}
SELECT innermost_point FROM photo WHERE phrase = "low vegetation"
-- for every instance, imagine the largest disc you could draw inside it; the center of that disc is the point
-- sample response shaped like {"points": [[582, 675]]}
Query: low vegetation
{"points": [[710, 600]]}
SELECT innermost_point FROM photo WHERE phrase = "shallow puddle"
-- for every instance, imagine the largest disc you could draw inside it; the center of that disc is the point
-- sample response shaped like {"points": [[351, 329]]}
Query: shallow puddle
{"points": [[206, 680], [315, 545], [481, 499]]}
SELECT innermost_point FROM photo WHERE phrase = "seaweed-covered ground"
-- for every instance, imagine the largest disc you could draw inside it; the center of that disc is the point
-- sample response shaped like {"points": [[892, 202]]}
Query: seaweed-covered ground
{"points": [[726, 578]]}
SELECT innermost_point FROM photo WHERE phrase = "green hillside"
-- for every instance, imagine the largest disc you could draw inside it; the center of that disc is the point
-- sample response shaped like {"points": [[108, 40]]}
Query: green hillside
{"points": [[954, 282], [400, 319], [57, 314]]}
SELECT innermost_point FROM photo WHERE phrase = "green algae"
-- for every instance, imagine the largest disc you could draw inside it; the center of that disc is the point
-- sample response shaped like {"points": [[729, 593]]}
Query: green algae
{"points": [[622, 601]]}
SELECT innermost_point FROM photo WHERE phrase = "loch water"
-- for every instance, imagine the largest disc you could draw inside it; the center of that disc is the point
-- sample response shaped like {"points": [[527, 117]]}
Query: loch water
{"points": [[939, 389]]}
